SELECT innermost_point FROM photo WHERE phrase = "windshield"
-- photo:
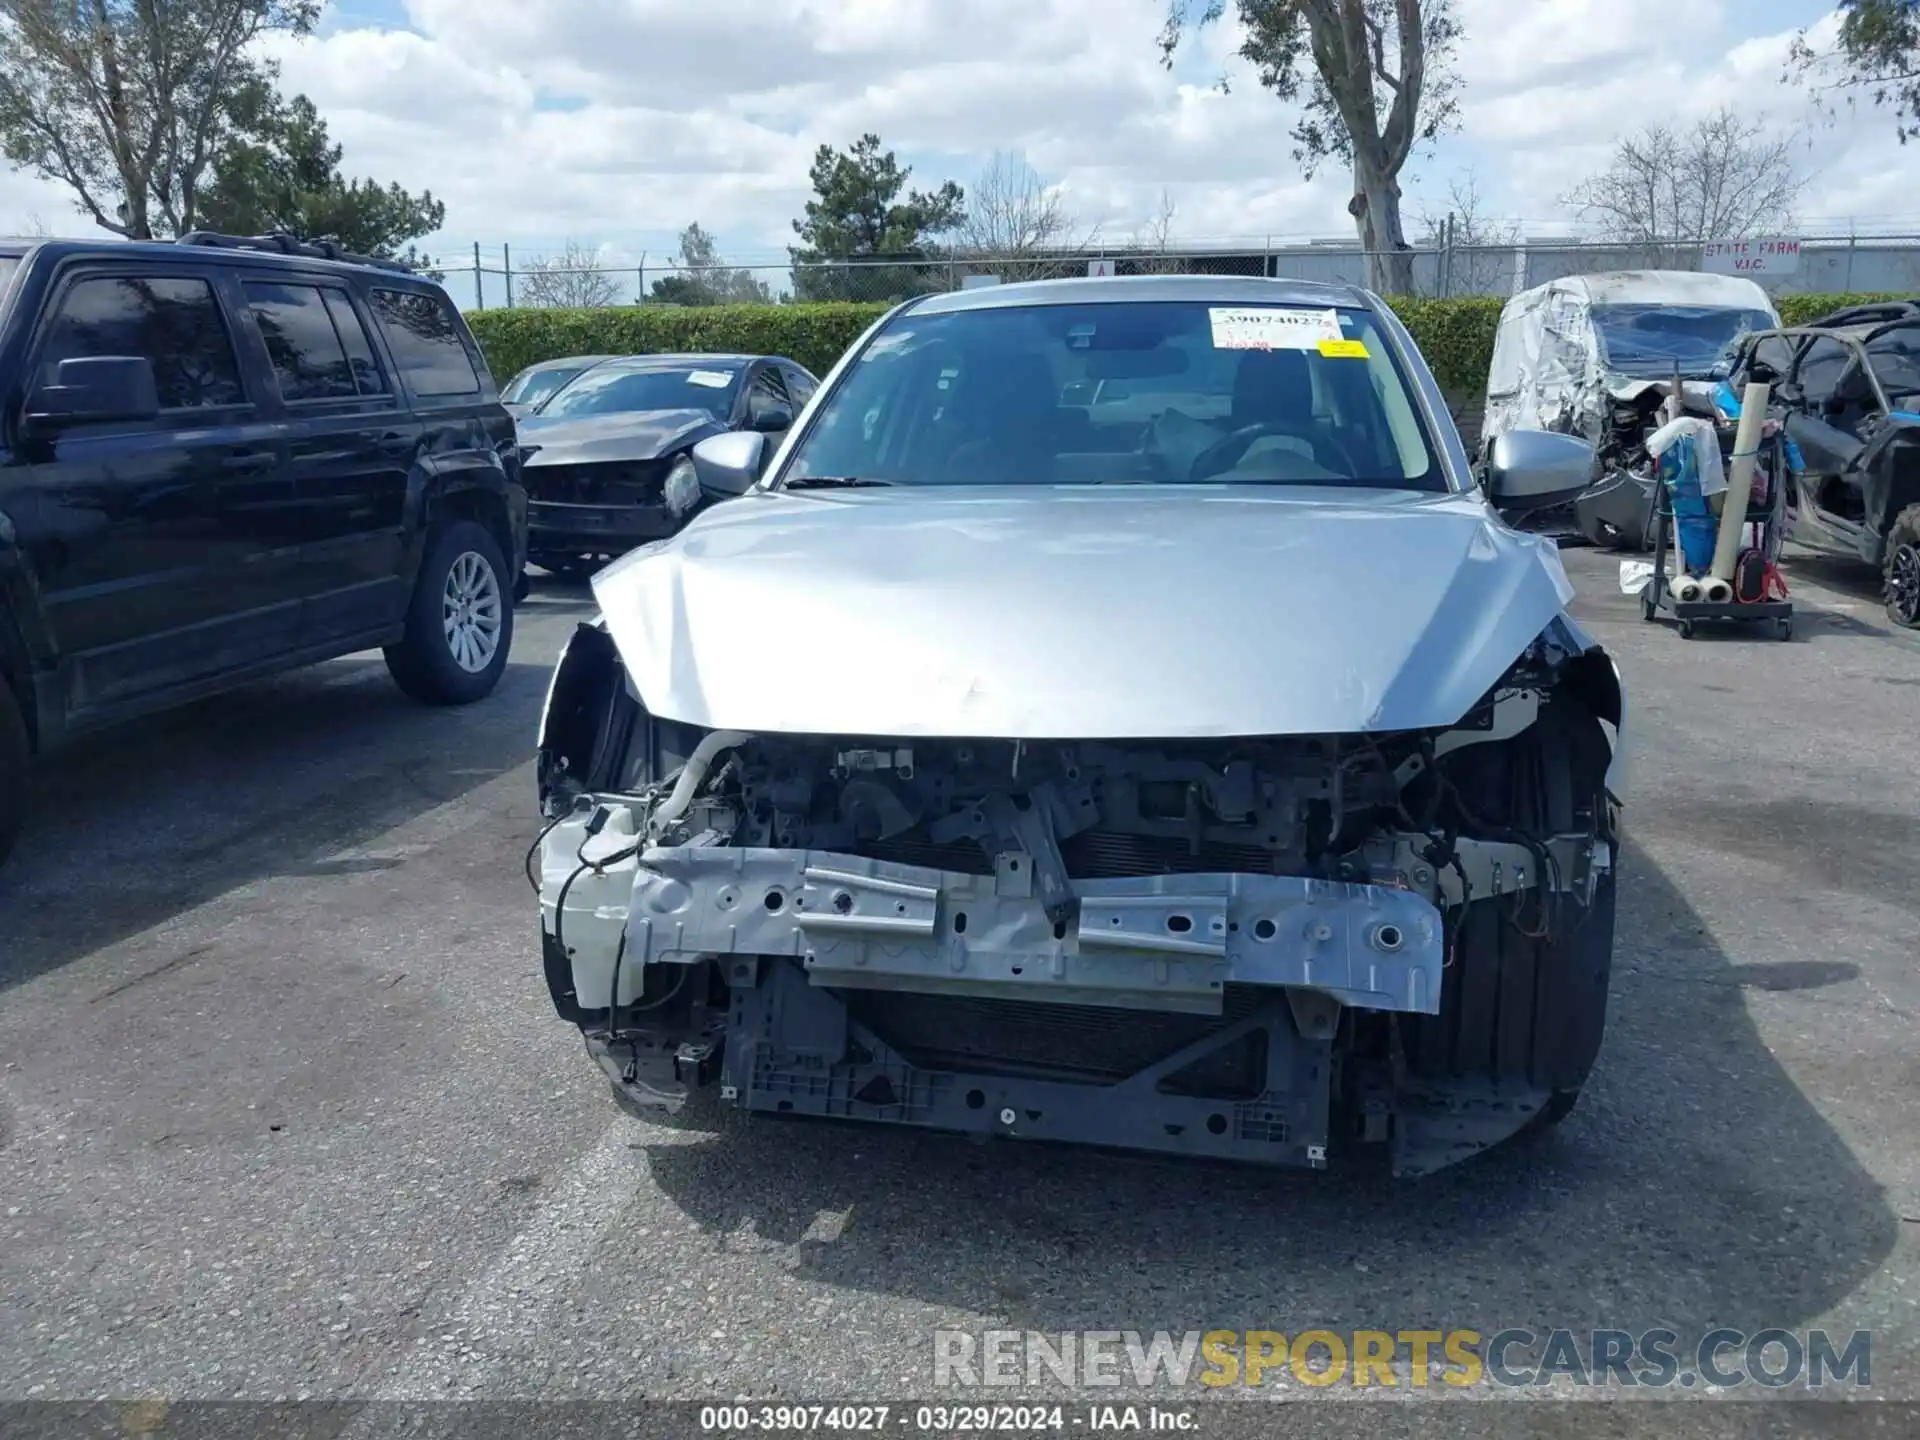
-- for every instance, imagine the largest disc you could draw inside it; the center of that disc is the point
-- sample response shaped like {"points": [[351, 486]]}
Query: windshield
{"points": [[1649, 340], [610, 389], [1148, 393], [530, 387], [1895, 357]]}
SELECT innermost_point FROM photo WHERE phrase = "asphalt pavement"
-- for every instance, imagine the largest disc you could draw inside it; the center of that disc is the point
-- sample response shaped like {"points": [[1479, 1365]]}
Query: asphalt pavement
{"points": [[285, 1111]]}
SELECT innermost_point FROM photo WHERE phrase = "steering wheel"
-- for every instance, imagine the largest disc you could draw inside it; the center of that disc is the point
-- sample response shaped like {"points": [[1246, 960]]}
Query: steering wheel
{"points": [[1230, 449]]}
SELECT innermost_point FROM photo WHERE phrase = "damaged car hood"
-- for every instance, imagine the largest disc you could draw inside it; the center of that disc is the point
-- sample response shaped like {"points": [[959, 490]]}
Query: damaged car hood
{"points": [[1080, 613], [629, 435]]}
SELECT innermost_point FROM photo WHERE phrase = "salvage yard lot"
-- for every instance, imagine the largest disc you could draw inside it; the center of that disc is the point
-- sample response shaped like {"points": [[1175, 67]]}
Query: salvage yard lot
{"points": [[284, 1109]]}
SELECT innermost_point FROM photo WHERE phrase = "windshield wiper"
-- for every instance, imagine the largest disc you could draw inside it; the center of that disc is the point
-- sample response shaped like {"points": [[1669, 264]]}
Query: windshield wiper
{"points": [[834, 482]]}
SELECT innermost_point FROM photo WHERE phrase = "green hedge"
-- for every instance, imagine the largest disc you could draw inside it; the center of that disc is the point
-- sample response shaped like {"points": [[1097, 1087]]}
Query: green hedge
{"points": [[1455, 335]]}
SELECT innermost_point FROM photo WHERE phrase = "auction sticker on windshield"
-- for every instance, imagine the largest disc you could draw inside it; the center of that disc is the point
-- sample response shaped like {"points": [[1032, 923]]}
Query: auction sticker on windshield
{"points": [[712, 379], [1269, 329]]}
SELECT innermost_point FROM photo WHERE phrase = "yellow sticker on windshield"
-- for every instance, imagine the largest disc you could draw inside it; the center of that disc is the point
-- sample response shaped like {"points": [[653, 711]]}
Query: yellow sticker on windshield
{"points": [[1344, 349]]}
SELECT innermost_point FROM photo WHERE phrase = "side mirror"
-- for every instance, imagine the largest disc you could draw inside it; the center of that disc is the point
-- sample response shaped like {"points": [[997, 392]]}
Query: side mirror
{"points": [[94, 389], [1533, 469], [768, 417], [729, 464]]}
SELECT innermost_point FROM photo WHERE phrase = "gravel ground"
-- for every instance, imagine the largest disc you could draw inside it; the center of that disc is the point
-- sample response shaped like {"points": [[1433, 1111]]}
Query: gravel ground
{"points": [[285, 1112]]}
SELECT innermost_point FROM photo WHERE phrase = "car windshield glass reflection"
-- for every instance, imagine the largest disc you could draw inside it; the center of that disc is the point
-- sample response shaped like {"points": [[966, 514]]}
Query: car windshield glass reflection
{"points": [[1176, 392], [610, 391], [532, 389]]}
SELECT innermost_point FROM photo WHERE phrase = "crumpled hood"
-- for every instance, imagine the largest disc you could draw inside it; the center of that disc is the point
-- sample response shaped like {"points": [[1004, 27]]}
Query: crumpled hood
{"points": [[628, 435], [1080, 613]]}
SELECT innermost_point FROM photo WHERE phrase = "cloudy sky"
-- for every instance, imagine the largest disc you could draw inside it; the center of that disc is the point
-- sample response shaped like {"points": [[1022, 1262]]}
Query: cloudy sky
{"points": [[615, 122]]}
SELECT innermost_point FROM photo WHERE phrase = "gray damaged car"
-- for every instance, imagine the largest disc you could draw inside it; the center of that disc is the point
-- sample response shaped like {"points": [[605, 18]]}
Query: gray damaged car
{"points": [[1114, 715]]}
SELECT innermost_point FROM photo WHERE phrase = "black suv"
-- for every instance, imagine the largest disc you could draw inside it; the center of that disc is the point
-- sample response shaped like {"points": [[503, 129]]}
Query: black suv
{"points": [[227, 456]]}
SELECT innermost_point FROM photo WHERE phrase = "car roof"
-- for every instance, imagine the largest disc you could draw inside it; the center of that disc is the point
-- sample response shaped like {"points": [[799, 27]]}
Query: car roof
{"points": [[678, 360], [1107, 289], [391, 274]]}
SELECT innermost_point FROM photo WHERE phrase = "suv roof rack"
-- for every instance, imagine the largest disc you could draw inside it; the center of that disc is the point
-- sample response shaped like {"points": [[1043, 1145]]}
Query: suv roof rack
{"points": [[1871, 313], [283, 243]]}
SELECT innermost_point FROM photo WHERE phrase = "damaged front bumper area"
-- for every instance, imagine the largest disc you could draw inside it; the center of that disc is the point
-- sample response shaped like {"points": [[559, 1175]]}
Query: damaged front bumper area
{"points": [[825, 955], [1211, 950]]}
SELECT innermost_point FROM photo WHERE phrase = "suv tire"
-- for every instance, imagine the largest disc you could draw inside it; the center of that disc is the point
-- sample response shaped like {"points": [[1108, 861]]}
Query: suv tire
{"points": [[460, 624], [1519, 1008], [16, 769], [1903, 569]]}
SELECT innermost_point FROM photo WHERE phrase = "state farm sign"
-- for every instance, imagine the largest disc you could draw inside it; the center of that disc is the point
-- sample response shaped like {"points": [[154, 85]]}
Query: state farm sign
{"points": [[1755, 258]]}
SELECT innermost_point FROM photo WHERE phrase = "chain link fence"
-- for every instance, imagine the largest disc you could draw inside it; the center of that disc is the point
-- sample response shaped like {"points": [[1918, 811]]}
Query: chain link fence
{"points": [[496, 277]]}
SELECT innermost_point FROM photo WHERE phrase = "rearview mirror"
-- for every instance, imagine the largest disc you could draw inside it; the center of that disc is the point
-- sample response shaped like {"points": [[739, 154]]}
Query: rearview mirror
{"points": [[729, 464], [94, 389], [1533, 469]]}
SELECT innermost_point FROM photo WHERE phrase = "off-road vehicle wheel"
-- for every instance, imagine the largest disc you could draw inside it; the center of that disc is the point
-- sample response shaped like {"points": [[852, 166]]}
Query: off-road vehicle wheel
{"points": [[460, 624], [1524, 995], [16, 770], [1903, 569]]}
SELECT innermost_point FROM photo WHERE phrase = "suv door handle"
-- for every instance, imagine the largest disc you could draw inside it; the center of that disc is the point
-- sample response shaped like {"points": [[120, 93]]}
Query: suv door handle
{"points": [[250, 462]]}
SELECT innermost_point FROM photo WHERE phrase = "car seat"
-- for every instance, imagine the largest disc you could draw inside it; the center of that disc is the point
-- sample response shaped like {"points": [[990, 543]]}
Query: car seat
{"points": [[1005, 418], [1275, 387]]}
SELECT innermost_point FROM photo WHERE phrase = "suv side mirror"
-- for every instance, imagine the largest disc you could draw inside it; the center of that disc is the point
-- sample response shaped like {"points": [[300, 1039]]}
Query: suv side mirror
{"points": [[1533, 469], [729, 464], [767, 415], [94, 389]]}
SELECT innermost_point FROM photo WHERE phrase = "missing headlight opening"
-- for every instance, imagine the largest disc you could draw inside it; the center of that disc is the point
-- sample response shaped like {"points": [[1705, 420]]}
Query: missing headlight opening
{"points": [[1276, 949]]}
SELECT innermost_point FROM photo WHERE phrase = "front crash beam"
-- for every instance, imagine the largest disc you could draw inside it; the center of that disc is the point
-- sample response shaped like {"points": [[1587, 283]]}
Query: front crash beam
{"points": [[1164, 943], [794, 1049]]}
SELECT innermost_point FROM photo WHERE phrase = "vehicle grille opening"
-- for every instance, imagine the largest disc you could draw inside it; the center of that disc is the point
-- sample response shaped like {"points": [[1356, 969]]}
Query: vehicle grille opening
{"points": [[624, 482], [1092, 1044]]}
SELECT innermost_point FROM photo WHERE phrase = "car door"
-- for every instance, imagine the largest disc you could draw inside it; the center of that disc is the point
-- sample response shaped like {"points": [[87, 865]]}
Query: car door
{"points": [[1829, 511], [350, 445], [152, 566]]}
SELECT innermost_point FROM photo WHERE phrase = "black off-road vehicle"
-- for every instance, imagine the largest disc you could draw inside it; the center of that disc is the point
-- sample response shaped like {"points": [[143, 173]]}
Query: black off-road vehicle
{"points": [[228, 456], [1848, 388]]}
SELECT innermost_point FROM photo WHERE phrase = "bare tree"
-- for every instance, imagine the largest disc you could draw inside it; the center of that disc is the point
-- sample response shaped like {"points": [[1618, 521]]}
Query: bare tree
{"points": [[1014, 220], [1375, 80], [1153, 241], [128, 103], [1726, 178], [572, 280], [1476, 249], [706, 278]]}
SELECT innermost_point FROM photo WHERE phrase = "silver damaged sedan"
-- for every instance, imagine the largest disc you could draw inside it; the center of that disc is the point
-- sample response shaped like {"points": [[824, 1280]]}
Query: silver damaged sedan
{"points": [[1114, 714]]}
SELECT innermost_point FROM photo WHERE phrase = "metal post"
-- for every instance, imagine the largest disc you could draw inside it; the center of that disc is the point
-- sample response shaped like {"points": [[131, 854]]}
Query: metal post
{"points": [[479, 294], [506, 265], [640, 295], [1446, 258]]}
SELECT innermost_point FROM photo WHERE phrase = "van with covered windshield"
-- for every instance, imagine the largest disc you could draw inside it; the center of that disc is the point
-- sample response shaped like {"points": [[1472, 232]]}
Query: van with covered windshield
{"points": [[1598, 355]]}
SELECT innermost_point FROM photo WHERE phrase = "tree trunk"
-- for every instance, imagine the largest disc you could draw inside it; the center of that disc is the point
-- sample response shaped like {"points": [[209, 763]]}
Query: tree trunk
{"points": [[1375, 208]]}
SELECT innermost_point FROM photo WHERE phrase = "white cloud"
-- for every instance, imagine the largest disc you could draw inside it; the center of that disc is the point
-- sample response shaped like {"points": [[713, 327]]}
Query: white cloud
{"points": [[615, 122]]}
